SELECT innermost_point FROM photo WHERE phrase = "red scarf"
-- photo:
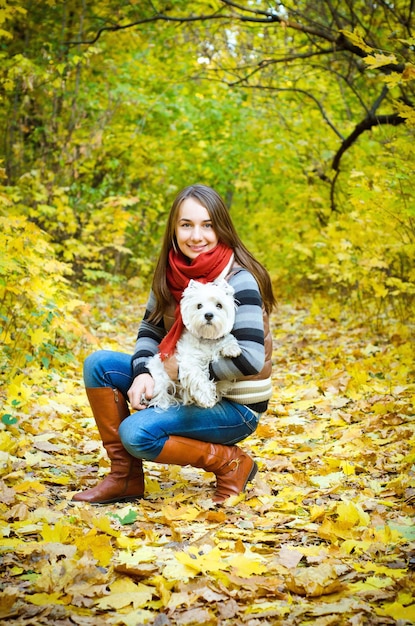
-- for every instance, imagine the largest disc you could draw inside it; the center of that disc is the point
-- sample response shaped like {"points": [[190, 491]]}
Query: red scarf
{"points": [[204, 268]]}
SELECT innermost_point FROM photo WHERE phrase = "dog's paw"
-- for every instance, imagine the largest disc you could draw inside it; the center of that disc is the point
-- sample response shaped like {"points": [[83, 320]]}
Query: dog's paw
{"points": [[205, 402], [162, 401], [231, 347], [199, 391], [205, 395]]}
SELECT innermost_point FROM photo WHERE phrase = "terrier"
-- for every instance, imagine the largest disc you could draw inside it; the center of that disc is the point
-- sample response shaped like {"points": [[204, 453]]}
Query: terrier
{"points": [[208, 313]]}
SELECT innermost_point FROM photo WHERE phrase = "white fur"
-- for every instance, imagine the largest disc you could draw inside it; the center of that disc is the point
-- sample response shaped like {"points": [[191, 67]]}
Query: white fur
{"points": [[208, 312]]}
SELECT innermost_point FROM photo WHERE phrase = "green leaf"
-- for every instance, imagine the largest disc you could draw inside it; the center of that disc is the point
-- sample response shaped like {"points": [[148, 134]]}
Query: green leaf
{"points": [[129, 518], [8, 419]]}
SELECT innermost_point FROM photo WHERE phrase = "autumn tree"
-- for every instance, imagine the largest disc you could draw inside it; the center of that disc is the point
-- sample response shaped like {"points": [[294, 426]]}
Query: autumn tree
{"points": [[300, 114]]}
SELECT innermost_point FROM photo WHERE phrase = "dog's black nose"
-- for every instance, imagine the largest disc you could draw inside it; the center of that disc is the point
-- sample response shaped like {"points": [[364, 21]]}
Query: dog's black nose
{"points": [[208, 317]]}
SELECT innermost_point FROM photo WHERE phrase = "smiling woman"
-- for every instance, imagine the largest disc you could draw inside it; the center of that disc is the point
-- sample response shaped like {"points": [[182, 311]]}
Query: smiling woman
{"points": [[200, 244]]}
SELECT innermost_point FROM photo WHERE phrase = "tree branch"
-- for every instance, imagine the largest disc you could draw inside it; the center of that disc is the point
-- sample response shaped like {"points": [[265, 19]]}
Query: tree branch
{"points": [[295, 90], [148, 20], [367, 123], [268, 17], [273, 16], [340, 41], [286, 59]]}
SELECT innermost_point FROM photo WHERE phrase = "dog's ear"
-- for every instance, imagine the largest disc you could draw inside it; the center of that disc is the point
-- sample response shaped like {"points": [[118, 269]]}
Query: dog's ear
{"points": [[191, 287], [223, 284], [192, 284]]}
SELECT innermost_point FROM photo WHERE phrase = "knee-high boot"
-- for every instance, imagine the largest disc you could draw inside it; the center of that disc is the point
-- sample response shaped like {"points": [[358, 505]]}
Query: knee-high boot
{"points": [[233, 467], [126, 479]]}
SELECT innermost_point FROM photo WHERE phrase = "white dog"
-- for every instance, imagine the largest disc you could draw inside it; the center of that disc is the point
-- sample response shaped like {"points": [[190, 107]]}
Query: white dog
{"points": [[208, 313]]}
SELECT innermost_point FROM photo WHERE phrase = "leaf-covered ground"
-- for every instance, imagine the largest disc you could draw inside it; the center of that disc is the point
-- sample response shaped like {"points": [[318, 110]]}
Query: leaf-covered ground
{"points": [[324, 535]]}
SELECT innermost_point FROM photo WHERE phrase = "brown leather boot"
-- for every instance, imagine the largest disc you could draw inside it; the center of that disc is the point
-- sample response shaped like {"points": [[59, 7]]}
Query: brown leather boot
{"points": [[126, 479], [233, 467]]}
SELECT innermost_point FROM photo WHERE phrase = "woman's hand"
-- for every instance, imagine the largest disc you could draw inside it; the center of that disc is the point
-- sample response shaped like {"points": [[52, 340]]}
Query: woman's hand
{"points": [[141, 391]]}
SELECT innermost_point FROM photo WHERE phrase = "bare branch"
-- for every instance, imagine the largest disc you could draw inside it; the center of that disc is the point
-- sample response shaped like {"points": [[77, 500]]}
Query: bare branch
{"points": [[178, 19], [290, 57], [303, 92], [235, 5], [367, 123], [273, 16], [379, 100], [409, 18], [405, 21], [332, 191], [253, 16], [148, 20]]}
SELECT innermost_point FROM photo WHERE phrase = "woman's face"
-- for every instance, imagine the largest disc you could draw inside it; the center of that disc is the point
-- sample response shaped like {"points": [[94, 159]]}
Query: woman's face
{"points": [[194, 230]]}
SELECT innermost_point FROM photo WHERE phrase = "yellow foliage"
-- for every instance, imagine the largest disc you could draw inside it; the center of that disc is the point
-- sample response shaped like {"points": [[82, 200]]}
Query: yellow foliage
{"points": [[315, 581], [28, 486], [351, 514], [406, 112], [327, 514], [98, 545], [99, 138], [379, 60], [48, 599], [124, 592], [356, 38], [397, 611], [58, 533], [7, 443], [246, 566], [38, 327], [197, 561]]}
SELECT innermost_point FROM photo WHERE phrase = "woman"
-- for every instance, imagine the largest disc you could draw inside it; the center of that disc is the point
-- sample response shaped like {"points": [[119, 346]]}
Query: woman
{"points": [[200, 243]]}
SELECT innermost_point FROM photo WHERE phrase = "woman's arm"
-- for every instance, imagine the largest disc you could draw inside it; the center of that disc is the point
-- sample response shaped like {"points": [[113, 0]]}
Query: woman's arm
{"points": [[148, 339]]}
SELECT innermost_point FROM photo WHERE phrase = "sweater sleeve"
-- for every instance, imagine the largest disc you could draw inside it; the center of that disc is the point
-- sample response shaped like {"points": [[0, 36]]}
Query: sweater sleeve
{"points": [[248, 330], [148, 339]]}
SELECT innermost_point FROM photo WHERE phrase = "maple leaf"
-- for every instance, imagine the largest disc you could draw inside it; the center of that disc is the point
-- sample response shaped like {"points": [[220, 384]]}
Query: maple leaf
{"points": [[289, 557], [315, 581], [245, 566], [397, 611], [379, 60], [199, 560], [356, 38], [8, 597], [99, 545], [124, 592]]}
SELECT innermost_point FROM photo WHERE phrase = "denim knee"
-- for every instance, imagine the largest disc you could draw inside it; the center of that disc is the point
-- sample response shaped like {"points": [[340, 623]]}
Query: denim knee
{"points": [[93, 369], [108, 368], [138, 441]]}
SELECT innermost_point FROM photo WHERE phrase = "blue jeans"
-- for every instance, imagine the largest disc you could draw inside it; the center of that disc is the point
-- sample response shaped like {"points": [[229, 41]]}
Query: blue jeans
{"points": [[145, 432]]}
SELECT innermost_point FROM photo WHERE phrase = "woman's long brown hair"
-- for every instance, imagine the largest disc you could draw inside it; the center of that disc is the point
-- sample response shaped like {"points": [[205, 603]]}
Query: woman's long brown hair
{"points": [[223, 226]]}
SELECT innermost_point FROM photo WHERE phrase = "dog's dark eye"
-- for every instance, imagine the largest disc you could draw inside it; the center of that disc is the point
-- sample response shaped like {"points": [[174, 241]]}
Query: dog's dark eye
{"points": [[199, 306], [219, 306]]}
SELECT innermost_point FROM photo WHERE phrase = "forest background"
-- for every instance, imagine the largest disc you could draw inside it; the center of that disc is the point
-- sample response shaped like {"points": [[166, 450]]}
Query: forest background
{"points": [[302, 117], [301, 114]]}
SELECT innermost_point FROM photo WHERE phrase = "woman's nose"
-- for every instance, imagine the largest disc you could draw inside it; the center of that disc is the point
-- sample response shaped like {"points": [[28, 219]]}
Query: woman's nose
{"points": [[196, 234]]}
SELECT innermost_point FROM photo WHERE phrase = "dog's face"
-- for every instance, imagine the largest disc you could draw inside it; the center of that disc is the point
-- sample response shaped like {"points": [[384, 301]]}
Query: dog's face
{"points": [[208, 310]]}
